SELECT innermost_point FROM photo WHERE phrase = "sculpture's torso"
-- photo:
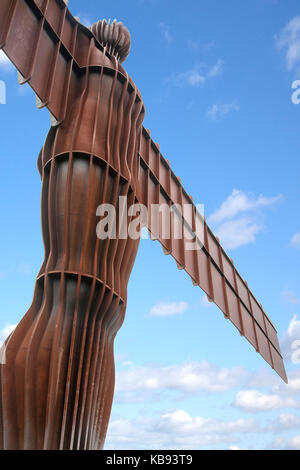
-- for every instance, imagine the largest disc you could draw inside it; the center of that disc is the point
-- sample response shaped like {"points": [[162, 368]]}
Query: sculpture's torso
{"points": [[58, 379]]}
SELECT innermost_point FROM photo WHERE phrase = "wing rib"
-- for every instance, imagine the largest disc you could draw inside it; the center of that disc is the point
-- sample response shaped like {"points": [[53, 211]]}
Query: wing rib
{"points": [[208, 265], [47, 45]]}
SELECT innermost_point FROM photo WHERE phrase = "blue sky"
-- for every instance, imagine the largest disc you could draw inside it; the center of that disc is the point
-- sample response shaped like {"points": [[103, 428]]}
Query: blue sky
{"points": [[216, 78]]}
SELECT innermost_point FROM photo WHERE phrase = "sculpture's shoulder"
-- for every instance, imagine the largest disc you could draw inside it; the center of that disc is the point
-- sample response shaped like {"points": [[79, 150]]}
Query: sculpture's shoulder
{"points": [[99, 58]]}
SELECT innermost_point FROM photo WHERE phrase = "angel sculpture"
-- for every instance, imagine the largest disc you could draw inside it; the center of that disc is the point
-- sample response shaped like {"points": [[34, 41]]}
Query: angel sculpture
{"points": [[57, 380]]}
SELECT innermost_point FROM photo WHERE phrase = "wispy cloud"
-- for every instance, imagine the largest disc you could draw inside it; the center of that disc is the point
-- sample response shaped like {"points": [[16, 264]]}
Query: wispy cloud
{"points": [[5, 332], [196, 76], [84, 19], [290, 297], [284, 421], [294, 443], [295, 241], [237, 221], [219, 110], [239, 232], [216, 69], [275, 385], [262, 392], [165, 30], [290, 338], [288, 40], [22, 268], [198, 45], [5, 63], [238, 202], [187, 377], [254, 401], [205, 302], [168, 309], [176, 429]]}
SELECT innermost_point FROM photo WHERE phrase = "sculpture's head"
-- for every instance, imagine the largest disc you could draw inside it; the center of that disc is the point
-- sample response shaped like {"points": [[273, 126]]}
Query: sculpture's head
{"points": [[114, 36]]}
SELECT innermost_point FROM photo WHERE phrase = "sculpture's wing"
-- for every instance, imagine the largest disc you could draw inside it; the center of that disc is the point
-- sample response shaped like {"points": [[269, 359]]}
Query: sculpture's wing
{"points": [[208, 266], [47, 45]]}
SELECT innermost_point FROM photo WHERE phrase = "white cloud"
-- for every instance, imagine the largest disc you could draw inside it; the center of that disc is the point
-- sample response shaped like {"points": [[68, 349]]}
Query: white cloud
{"points": [[193, 77], [289, 41], [197, 76], [219, 110], [84, 19], [175, 430], [277, 444], [239, 232], [253, 401], [187, 377], [127, 363], [263, 378], [289, 338], [216, 69], [290, 297], [288, 421], [294, 443], [293, 387], [284, 421], [4, 61], [295, 241], [236, 231], [165, 29], [5, 332], [204, 47], [181, 422], [275, 385], [205, 302], [86, 22], [168, 309], [179, 428], [237, 202]]}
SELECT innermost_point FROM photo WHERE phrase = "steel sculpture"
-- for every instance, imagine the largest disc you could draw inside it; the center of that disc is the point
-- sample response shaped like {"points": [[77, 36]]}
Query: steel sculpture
{"points": [[58, 380]]}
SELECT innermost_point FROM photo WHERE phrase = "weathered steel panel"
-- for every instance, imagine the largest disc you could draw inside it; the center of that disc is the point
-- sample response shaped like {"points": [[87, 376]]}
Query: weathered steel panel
{"points": [[210, 267]]}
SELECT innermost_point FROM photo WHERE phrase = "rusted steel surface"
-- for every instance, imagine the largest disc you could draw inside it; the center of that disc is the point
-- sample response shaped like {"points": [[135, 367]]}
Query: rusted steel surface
{"points": [[58, 380], [48, 46]]}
